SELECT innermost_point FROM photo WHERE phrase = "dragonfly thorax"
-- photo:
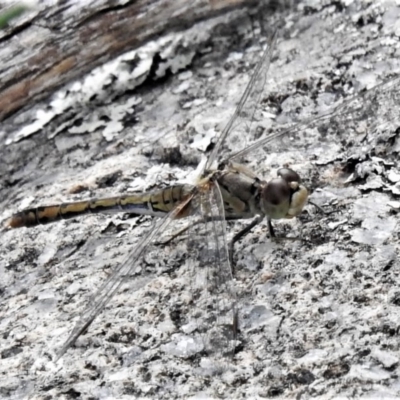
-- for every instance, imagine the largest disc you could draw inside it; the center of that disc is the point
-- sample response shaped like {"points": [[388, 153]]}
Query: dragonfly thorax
{"points": [[245, 195], [239, 190]]}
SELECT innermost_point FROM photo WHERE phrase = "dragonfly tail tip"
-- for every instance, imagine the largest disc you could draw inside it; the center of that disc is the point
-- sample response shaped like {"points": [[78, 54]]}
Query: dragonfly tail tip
{"points": [[15, 221], [8, 223]]}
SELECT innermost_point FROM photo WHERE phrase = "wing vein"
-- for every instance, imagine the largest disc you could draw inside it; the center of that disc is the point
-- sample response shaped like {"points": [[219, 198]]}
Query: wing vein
{"points": [[262, 66], [111, 285]]}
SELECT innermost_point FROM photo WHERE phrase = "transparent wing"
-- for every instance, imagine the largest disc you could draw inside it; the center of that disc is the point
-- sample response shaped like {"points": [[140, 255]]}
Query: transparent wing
{"points": [[214, 303], [126, 268], [247, 105], [374, 105]]}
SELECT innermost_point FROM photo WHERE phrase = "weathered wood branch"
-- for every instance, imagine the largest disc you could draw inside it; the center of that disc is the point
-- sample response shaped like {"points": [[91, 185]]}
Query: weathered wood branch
{"points": [[57, 45]]}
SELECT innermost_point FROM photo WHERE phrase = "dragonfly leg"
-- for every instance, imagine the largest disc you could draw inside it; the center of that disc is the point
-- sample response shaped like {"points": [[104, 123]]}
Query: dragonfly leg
{"points": [[183, 230], [180, 232], [271, 229], [277, 239], [319, 208], [248, 228], [242, 233]]}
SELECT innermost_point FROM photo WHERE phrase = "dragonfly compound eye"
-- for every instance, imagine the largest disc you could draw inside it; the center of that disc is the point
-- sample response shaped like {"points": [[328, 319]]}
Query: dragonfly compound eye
{"points": [[289, 175], [275, 198], [299, 193]]}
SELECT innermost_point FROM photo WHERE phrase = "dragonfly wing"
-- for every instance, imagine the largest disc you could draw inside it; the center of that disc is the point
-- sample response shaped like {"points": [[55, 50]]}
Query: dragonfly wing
{"points": [[126, 268], [363, 106], [214, 311], [244, 113]]}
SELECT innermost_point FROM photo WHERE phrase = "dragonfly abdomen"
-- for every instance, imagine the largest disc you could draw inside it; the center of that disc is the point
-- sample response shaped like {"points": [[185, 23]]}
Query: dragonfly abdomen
{"points": [[152, 203]]}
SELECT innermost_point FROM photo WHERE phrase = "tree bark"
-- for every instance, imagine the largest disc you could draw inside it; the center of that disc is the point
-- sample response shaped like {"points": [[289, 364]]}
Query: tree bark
{"points": [[56, 45]]}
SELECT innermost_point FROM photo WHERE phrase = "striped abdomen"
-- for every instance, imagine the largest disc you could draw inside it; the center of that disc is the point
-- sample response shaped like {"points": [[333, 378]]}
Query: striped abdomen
{"points": [[153, 203]]}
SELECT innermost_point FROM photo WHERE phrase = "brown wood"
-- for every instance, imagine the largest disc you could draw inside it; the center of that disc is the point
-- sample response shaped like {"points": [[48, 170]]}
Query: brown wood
{"points": [[53, 46]]}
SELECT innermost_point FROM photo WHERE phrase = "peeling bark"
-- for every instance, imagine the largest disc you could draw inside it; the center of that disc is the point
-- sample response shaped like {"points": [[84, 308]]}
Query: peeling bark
{"points": [[58, 44]]}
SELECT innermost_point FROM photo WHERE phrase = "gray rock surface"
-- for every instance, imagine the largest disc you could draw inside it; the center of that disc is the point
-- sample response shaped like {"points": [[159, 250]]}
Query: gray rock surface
{"points": [[319, 317]]}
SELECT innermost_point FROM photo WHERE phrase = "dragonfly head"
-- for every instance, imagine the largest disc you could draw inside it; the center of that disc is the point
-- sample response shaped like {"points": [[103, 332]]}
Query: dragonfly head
{"points": [[285, 196]]}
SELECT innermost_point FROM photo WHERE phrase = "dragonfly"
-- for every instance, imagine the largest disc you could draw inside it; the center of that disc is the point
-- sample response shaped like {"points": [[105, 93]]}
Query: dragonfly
{"points": [[225, 190]]}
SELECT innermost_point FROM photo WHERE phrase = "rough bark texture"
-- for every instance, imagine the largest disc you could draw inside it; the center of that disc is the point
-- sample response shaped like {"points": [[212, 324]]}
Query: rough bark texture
{"points": [[319, 318], [55, 45]]}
